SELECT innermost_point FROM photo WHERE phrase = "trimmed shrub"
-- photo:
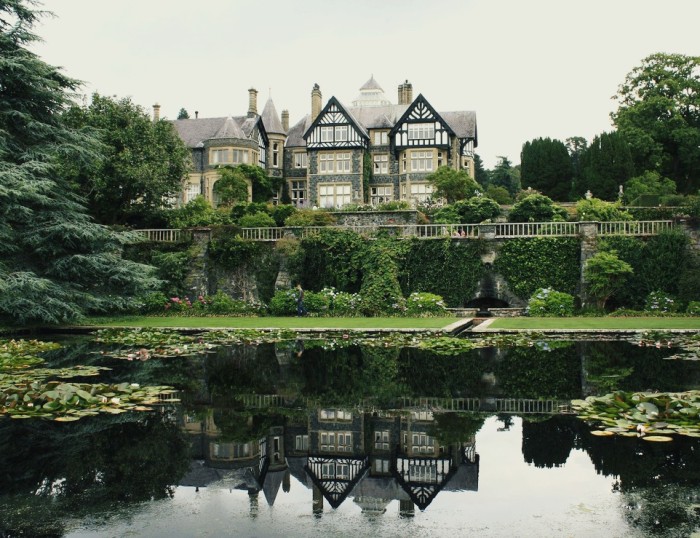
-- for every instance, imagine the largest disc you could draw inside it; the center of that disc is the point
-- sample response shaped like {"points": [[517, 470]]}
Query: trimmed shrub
{"points": [[310, 217], [693, 308], [547, 302], [257, 220]]}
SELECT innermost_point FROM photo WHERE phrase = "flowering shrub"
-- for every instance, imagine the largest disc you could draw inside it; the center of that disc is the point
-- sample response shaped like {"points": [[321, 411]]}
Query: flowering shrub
{"points": [[425, 304], [693, 308], [659, 302], [548, 302], [341, 303], [219, 304], [284, 303]]}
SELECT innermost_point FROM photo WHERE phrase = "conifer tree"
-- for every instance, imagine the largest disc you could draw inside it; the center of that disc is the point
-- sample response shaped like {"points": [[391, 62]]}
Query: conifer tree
{"points": [[55, 263]]}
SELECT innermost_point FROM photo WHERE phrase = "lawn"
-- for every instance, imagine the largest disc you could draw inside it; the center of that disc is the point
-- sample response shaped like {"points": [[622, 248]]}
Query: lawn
{"points": [[596, 323], [273, 322]]}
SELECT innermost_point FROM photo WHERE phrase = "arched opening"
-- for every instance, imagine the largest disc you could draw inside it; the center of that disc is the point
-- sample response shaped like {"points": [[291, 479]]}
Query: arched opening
{"points": [[484, 303]]}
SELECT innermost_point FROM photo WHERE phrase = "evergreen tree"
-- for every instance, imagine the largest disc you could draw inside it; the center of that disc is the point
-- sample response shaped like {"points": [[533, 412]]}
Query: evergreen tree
{"points": [[504, 175], [605, 165], [183, 114], [56, 263], [545, 166], [481, 175]]}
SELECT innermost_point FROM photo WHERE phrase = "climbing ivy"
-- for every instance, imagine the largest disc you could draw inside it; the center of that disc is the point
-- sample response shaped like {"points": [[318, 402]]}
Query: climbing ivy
{"points": [[451, 269], [540, 262]]}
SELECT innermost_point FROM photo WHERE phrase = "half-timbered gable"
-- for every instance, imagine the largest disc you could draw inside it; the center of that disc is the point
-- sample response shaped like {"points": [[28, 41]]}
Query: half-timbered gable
{"points": [[421, 126], [335, 127], [336, 476]]}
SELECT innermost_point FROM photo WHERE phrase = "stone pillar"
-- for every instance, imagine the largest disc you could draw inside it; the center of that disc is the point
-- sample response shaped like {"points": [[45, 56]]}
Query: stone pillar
{"points": [[589, 246], [487, 232], [318, 501]]}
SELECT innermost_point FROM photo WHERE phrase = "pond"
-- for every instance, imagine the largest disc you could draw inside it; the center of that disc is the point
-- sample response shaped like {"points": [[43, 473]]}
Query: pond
{"points": [[269, 435]]}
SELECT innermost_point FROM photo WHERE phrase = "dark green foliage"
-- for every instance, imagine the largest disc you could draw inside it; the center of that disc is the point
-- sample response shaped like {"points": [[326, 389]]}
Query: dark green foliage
{"points": [[446, 268], [659, 264], [536, 208], [482, 175], [540, 262], [257, 220], [477, 209], [171, 260], [231, 187], [605, 165], [649, 185], [658, 114], [183, 114], [264, 186], [56, 264], [504, 175], [380, 291], [453, 184], [545, 166], [597, 210], [141, 165], [331, 258], [309, 217], [197, 212], [282, 212], [499, 194]]}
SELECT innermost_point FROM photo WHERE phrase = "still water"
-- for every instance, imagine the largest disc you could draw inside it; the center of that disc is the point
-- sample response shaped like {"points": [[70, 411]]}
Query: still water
{"points": [[302, 438]]}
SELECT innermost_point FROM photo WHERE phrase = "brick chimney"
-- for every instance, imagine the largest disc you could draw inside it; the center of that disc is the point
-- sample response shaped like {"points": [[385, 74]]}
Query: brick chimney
{"points": [[285, 120], [405, 93], [252, 102], [156, 112], [196, 114], [315, 102]]}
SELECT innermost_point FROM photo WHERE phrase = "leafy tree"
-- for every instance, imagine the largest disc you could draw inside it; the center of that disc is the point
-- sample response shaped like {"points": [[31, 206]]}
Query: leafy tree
{"points": [[142, 166], [504, 175], [536, 208], [659, 114], [56, 263], [264, 186], [499, 194], [545, 165], [649, 183], [599, 210], [197, 212], [183, 114], [605, 165], [477, 209], [604, 274], [453, 184], [231, 187]]}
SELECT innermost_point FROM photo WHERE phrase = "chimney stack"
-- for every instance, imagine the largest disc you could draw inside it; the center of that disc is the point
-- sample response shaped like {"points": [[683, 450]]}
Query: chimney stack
{"points": [[196, 114], [405, 93], [315, 102], [285, 120], [252, 102], [156, 112]]}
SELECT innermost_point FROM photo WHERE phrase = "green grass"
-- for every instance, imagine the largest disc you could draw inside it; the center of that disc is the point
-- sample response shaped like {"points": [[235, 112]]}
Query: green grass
{"points": [[273, 322], [595, 323]]}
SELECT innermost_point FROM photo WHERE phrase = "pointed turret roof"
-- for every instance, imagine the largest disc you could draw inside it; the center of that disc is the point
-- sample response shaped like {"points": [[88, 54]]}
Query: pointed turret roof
{"points": [[230, 129], [371, 95], [371, 84], [271, 119]]}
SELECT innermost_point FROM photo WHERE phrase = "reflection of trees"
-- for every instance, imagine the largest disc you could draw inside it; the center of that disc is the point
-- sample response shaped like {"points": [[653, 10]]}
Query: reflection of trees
{"points": [[539, 373], [548, 443], [54, 471], [642, 368], [429, 374], [659, 481], [247, 369], [450, 428]]}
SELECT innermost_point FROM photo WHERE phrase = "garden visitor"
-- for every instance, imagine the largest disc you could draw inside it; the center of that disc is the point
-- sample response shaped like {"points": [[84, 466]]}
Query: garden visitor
{"points": [[301, 311]]}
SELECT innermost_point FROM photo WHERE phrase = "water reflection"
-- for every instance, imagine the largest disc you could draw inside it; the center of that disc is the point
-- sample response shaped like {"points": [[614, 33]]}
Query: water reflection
{"points": [[379, 430]]}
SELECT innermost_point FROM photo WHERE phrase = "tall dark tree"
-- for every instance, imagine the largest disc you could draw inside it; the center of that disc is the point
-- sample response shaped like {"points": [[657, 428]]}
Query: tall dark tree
{"points": [[605, 165], [659, 114], [183, 114], [504, 175], [481, 175], [143, 165], [576, 146], [545, 166], [56, 264]]}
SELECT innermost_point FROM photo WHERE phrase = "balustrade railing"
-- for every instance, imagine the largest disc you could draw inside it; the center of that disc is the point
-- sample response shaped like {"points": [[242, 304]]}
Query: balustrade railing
{"points": [[499, 230]]}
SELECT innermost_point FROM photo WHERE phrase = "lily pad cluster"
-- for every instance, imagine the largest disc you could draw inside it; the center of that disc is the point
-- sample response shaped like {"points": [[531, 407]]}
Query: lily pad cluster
{"points": [[653, 416], [144, 344], [17, 354], [67, 402]]}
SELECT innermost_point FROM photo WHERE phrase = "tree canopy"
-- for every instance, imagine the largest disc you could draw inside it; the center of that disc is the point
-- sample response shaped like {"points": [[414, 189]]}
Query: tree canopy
{"points": [[453, 184], [56, 263], [142, 166], [231, 187], [659, 114], [545, 166], [505, 175], [604, 166]]}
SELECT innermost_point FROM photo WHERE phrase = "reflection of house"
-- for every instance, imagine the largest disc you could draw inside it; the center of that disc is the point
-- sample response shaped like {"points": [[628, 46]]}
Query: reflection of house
{"points": [[339, 453], [373, 151]]}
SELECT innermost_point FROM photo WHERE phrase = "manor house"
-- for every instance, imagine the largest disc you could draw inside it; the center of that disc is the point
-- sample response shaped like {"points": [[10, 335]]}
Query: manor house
{"points": [[372, 152]]}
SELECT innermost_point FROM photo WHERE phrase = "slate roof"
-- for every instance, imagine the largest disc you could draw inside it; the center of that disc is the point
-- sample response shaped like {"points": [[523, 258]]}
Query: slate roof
{"points": [[371, 84], [295, 136], [271, 119], [230, 129], [196, 131]]}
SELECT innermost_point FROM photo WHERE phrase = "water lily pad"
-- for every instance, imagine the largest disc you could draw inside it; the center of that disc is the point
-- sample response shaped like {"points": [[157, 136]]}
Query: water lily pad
{"points": [[67, 418], [602, 433], [658, 438]]}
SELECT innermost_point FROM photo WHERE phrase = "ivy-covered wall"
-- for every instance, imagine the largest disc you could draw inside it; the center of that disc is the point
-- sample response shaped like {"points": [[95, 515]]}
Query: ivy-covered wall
{"points": [[540, 262]]}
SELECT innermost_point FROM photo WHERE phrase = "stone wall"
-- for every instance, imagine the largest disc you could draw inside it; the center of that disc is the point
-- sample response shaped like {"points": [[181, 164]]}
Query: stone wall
{"points": [[375, 218]]}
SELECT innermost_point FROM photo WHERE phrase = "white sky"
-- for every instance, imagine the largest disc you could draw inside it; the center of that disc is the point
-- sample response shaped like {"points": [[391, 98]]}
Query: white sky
{"points": [[529, 68]]}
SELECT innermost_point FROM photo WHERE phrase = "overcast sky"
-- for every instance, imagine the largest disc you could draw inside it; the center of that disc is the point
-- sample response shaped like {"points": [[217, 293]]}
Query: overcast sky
{"points": [[529, 68]]}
